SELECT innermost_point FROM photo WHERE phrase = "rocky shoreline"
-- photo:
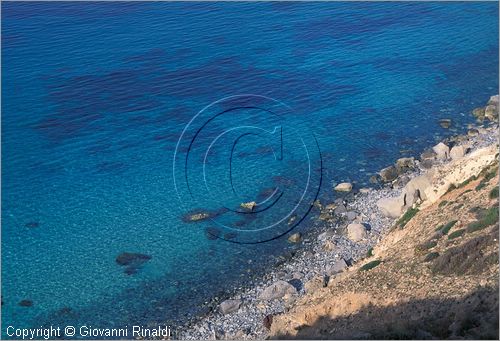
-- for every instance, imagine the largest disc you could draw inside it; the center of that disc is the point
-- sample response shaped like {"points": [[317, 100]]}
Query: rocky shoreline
{"points": [[351, 227]]}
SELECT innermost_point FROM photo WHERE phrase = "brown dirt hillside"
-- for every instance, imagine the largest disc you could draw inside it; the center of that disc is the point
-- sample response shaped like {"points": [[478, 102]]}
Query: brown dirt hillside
{"points": [[435, 277]]}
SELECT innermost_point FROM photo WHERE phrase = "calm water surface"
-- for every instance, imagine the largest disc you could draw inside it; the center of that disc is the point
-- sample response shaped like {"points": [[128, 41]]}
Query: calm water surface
{"points": [[96, 95]]}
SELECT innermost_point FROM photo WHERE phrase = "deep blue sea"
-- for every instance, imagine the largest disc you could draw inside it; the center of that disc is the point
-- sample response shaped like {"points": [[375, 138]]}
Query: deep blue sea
{"points": [[119, 118]]}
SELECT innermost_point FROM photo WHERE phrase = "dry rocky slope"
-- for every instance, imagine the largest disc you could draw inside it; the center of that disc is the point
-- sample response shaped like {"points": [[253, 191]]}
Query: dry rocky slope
{"points": [[435, 275]]}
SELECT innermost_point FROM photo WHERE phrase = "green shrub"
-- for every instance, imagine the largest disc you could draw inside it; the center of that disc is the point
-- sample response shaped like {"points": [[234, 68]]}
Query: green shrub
{"points": [[369, 253], [456, 234], [407, 217], [431, 256], [494, 193], [490, 175], [451, 188], [481, 185], [446, 228], [442, 203], [468, 181], [427, 245], [489, 217], [370, 265]]}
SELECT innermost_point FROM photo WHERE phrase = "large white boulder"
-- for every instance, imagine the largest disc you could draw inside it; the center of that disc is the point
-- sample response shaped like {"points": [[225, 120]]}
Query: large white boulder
{"points": [[336, 267], [457, 152], [229, 306], [442, 151], [277, 290], [389, 174], [391, 207], [415, 189], [356, 232]]}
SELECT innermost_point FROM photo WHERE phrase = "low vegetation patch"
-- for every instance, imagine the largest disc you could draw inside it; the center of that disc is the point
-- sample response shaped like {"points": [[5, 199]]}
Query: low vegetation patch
{"points": [[468, 181], [447, 227], [451, 188], [494, 193], [481, 185], [370, 265], [369, 253], [442, 203], [468, 258], [466, 191], [426, 246], [407, 217], [486, 218], [491, 174], [431, 256], [488, 174], [456, 234]]}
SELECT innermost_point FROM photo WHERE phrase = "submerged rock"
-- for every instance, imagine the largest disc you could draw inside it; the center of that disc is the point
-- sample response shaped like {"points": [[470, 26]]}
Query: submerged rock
{"points": [[197, 217], [200, 215], [26, 303], [317, 204], [129, 259], [212, 233], [445, 123], [277, 290], [229, 306], [230, 235], [131, 270]]}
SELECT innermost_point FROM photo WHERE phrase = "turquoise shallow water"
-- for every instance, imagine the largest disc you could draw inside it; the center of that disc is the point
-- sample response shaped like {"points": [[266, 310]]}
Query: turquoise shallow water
{"points": [[95, 97]]}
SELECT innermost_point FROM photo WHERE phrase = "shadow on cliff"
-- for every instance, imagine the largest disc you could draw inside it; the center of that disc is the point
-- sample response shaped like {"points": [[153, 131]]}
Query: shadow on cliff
{"points": [[473, 317]]}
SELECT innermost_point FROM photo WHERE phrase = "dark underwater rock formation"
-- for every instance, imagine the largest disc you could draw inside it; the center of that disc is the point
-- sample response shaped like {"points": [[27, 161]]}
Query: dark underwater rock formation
{"points": [[26, 303], [132, 261]]}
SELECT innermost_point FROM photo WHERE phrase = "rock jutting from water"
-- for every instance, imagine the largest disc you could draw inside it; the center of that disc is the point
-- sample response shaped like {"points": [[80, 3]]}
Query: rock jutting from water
{"points": [[248, 205], [344, 187]]}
